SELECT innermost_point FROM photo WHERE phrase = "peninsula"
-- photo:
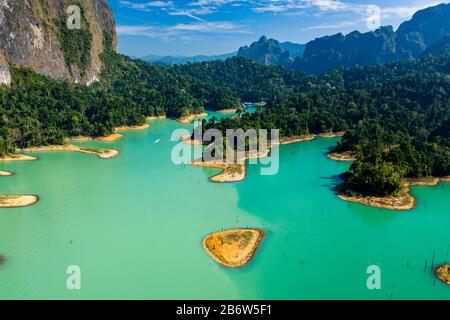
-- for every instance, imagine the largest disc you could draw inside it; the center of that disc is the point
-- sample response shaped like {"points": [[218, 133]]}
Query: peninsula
{"points": [[16, 157], [230, 172], [101, 153]]}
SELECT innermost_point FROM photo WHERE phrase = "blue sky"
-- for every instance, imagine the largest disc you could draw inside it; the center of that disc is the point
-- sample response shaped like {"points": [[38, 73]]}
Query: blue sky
{"points": [[208, 27]]}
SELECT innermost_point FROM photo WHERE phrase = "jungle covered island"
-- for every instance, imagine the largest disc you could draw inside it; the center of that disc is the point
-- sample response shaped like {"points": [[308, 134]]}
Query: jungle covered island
{"points": [[233, 248]]}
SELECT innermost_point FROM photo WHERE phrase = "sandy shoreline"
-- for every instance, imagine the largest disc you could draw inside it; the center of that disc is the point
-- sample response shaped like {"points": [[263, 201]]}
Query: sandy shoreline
{"points": [[17, 157], [5, 173], [110, 138], [192, 117], [156, 118], [443, 273], [403, 202], [132, 128], [426, 182], [192, 142], [233, 248], [101, 153], [230, 172], [184, 138], [309, 137], [227, 111], [296, 139], [17, 201], [332, 134], [260, 104], [343, 156]]}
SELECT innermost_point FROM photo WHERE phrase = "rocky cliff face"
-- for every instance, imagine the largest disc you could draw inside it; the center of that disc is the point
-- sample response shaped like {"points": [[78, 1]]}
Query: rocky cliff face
{"points": [[34, 33]]}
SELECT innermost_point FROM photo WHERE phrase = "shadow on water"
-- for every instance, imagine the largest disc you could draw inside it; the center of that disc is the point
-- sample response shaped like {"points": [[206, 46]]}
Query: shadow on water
{"points": [[332, 182]]}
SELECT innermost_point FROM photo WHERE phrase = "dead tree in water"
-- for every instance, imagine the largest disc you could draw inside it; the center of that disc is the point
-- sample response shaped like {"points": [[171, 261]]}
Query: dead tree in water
{"points": [[2, 258]]}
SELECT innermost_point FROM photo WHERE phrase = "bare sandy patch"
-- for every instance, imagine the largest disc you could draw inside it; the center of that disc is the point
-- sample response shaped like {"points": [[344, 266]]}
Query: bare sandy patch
{"points": [[101, 153], [132, 128], [443, 273], [192, 117], [17, 201], [17, 157], [233, 248], [227, 111], [342, 156], [401, 202]]}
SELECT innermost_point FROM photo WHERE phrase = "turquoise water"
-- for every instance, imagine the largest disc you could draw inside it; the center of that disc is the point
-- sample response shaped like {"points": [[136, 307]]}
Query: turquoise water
{"points": [[134, 225]]}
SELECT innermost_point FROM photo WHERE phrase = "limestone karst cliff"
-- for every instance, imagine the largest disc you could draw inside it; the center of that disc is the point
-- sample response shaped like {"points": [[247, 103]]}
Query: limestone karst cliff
{"points": [[34, 33]]}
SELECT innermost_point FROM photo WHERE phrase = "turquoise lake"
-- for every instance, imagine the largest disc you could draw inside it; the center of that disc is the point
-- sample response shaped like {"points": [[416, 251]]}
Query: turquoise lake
{"points": [[135, 224]]}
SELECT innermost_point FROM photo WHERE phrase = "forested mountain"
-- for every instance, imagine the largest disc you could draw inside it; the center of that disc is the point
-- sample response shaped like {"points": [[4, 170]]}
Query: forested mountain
{"points": [[266, 51], [424, 33], [272, 52], [411, 40]]}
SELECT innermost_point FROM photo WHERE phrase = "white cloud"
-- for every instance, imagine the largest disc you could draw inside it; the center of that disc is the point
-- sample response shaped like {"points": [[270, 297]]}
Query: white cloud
{"points": [[340, 25], [181, 31]]}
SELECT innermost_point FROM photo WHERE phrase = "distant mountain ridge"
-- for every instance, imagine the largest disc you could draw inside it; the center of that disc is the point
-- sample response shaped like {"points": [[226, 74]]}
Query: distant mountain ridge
{"points": [[171, 60], [428, 32], [272, 52], [411, 40], [267, 51]]}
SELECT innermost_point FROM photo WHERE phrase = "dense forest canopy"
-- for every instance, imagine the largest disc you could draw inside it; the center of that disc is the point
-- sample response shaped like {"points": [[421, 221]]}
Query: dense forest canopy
{"points": [[396, 116], [37, 110]]}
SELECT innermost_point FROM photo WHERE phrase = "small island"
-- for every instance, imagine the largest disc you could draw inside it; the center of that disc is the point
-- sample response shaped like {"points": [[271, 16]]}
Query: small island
{"points": [[17, 201], [443, 273], [233, 248], [5, 173]]}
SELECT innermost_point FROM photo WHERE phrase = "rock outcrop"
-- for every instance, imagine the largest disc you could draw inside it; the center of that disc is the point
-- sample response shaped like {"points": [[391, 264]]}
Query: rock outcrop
{"points": [[34, 34]]}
